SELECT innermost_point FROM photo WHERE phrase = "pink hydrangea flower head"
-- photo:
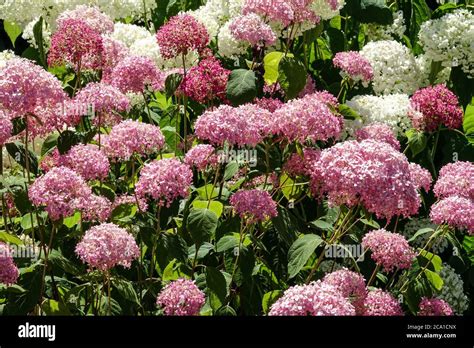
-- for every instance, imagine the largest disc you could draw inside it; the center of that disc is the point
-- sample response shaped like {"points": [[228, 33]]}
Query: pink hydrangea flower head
{"points": [[51, 160], [420, 176], [106, 101], [76, 44], [88, 161], [282, 11], [389, 250], [270, 104], [6, 128], [438, 106], [181, 34], [130, 200], [301, 165], [455, 211], [434, 307], [202, 156], [130, 138], [107, 245], [92, 16], [355, 66], [181, 298], [370, 173], [315, 299], [381, 303], [94, 208], [114, 52], [135, 74], [8, 270], [206, 82], [455, 179], [254, 205], [252, 29], [164, 181], [327, 98], [309, 88], [305, 119], [351, 285], [58, 191], [380, 132]]}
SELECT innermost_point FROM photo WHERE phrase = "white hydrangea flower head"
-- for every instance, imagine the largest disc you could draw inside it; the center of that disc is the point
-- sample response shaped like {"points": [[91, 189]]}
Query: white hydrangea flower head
{"points": [[5, 56], [128, 34], [376, 32], [416, 224], [29, 36], [395, 68], [450, 40], [453, 290], [324, 10], [228, 45], [148, 47]]}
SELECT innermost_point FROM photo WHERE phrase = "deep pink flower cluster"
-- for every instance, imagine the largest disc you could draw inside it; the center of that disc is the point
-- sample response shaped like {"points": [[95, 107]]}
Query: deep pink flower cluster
{"points": [[455, 179], [302, 165], [114, 52], [164, 181], [351, 285], [88, 161], [92, 16], [254, 205], [354, 65], [8, 270], [132, 137], [380, 132], [283, 11], [135, 74], [105, 101], [206, 82], [58, 191], [6, 128], [106, 246], [307, 118], [244, 125], [455, 211], [94, 208], [434, 307], [202, 156], [315, 299], [381, 303], [389, 250], [181, 298], [253, 29], [270, 104], [370, 173], [438, 106], [181, 34], [75, 43]]}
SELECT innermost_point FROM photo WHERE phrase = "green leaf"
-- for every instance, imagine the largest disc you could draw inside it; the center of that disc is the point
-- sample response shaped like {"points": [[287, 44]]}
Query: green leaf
{"points": [[172, 84], [468, 246], [126, 289], [53, 307], [269, 298], [215, 206], [38, 34], [348, 113], [26, 221], [13, 30], [416, 141], [426, 256], [216, 286], [172, 271], [202, 224], [292, 76], [241, 87], [58, 260], [66, 140], [50, 142], [204, 250], [468, 122], [300, 252], [434, 279], [270, 63], [226, 311], [230, 170], [371, 223], [323, 225], [72, 221], [229, 241], [289, 188], [17, 152], [335, 39], [421, 232], [10, 238]]}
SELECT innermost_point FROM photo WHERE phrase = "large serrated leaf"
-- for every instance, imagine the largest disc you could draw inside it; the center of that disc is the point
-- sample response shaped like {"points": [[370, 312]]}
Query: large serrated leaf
{"points": [[300, 252]]}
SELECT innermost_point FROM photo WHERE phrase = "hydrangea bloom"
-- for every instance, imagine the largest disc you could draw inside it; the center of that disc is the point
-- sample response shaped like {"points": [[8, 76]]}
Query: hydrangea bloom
{"points": [[310, 88], [302, 165], [229, 46], [437, 105], [455, 211], [181, 298], [6, 128], [88, 161], [270, 104], [206, 82], [434, 307], [128, 34], [455, 179], [93, 208], [389, 250], [282, 11], [381, 303], [370, 173], [114, 51], [164, 181], [351, 285], [438, 245], [180, 35], [8, 270], [253, 29], [380, 132], [327, 9], [50, 160], [315, 299], [106, 246], [92, 16], [132, 137], [420, 176], [77, 44], [201, 156], [254, 205], [354, 66], [58, 190], [452, 291]]}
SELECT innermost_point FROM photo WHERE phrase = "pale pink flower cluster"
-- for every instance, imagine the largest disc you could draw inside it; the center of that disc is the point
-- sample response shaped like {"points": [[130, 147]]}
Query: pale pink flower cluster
{"points": [[164, 181], [181, 298], [370, 173], [93, 208], [51, 160], [389, 250], [285, 12], [434, 307], [455, 179], [181, 35], [202, 156], [455, 211], [354, 65], [315, 299], [254, 205], [106, 246], [381, 303], [380, 132], [309, 88], [130, 138], [351, 285], [92, 16], [253, 29], [8, 270], [87, 160], [420, 177], [114, 52], [6, 128]]}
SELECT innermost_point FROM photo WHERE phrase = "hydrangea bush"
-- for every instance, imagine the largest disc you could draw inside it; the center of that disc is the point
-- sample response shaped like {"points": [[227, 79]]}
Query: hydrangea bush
{"points": [[241, 157]]}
